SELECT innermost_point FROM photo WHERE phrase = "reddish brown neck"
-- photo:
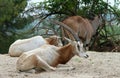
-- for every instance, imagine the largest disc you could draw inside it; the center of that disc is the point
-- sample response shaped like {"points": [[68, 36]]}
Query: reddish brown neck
{"points": [[66, 53]]}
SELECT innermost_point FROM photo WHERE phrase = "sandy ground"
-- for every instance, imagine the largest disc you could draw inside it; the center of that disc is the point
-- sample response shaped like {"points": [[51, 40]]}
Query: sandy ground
{"points": [[98, 65]]}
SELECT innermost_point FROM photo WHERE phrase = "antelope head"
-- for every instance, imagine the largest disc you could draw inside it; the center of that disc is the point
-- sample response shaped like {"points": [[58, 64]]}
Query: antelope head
{"points": [[77, 43], [97, 22]]}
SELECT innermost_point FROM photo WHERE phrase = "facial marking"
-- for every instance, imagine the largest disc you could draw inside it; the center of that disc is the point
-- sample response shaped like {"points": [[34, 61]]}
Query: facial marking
{"points": [[78, 47]]}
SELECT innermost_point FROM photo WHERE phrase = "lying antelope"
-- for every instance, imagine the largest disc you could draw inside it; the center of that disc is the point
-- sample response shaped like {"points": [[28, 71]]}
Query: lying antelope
{"points": [[23, 45], [47, 57], [83, 27]]}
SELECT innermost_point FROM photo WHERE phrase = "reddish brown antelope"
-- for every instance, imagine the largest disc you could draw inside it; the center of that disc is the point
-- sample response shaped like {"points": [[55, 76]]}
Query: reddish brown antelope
{"points": [[83, 27]]}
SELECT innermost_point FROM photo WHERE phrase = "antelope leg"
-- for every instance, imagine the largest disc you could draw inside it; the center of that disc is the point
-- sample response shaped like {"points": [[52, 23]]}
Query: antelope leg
{"points": [[41, 64], [65, 67]]}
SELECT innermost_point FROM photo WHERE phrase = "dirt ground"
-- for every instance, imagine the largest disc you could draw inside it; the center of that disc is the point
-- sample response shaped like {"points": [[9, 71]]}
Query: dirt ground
{"points": [[98, 65]]}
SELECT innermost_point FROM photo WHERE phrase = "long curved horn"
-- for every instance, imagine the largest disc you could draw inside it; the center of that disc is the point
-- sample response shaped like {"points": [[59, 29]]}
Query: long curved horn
{"points": [[67, 28]]}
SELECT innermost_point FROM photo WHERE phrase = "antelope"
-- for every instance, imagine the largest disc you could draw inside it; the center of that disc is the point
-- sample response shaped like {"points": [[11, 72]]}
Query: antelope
{"points": [[47, 57], [83, 27], [23, 45]]}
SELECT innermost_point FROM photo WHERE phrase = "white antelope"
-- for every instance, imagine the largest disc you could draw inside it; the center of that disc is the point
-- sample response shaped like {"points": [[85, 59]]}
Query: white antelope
{"points": [[23, 45], [47, 57]]}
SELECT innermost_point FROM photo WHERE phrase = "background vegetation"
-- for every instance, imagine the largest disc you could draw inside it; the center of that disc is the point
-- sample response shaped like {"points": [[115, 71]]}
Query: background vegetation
{"points": [[17, 20]]}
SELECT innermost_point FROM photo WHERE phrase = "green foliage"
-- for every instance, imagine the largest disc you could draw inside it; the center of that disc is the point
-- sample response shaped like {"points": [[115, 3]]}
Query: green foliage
{"points": [[68, 7], [5, 42], [108, 39], [61, 9], [10, 9], [20, 22], [74, 7], [10, 19], [110, 33]]}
